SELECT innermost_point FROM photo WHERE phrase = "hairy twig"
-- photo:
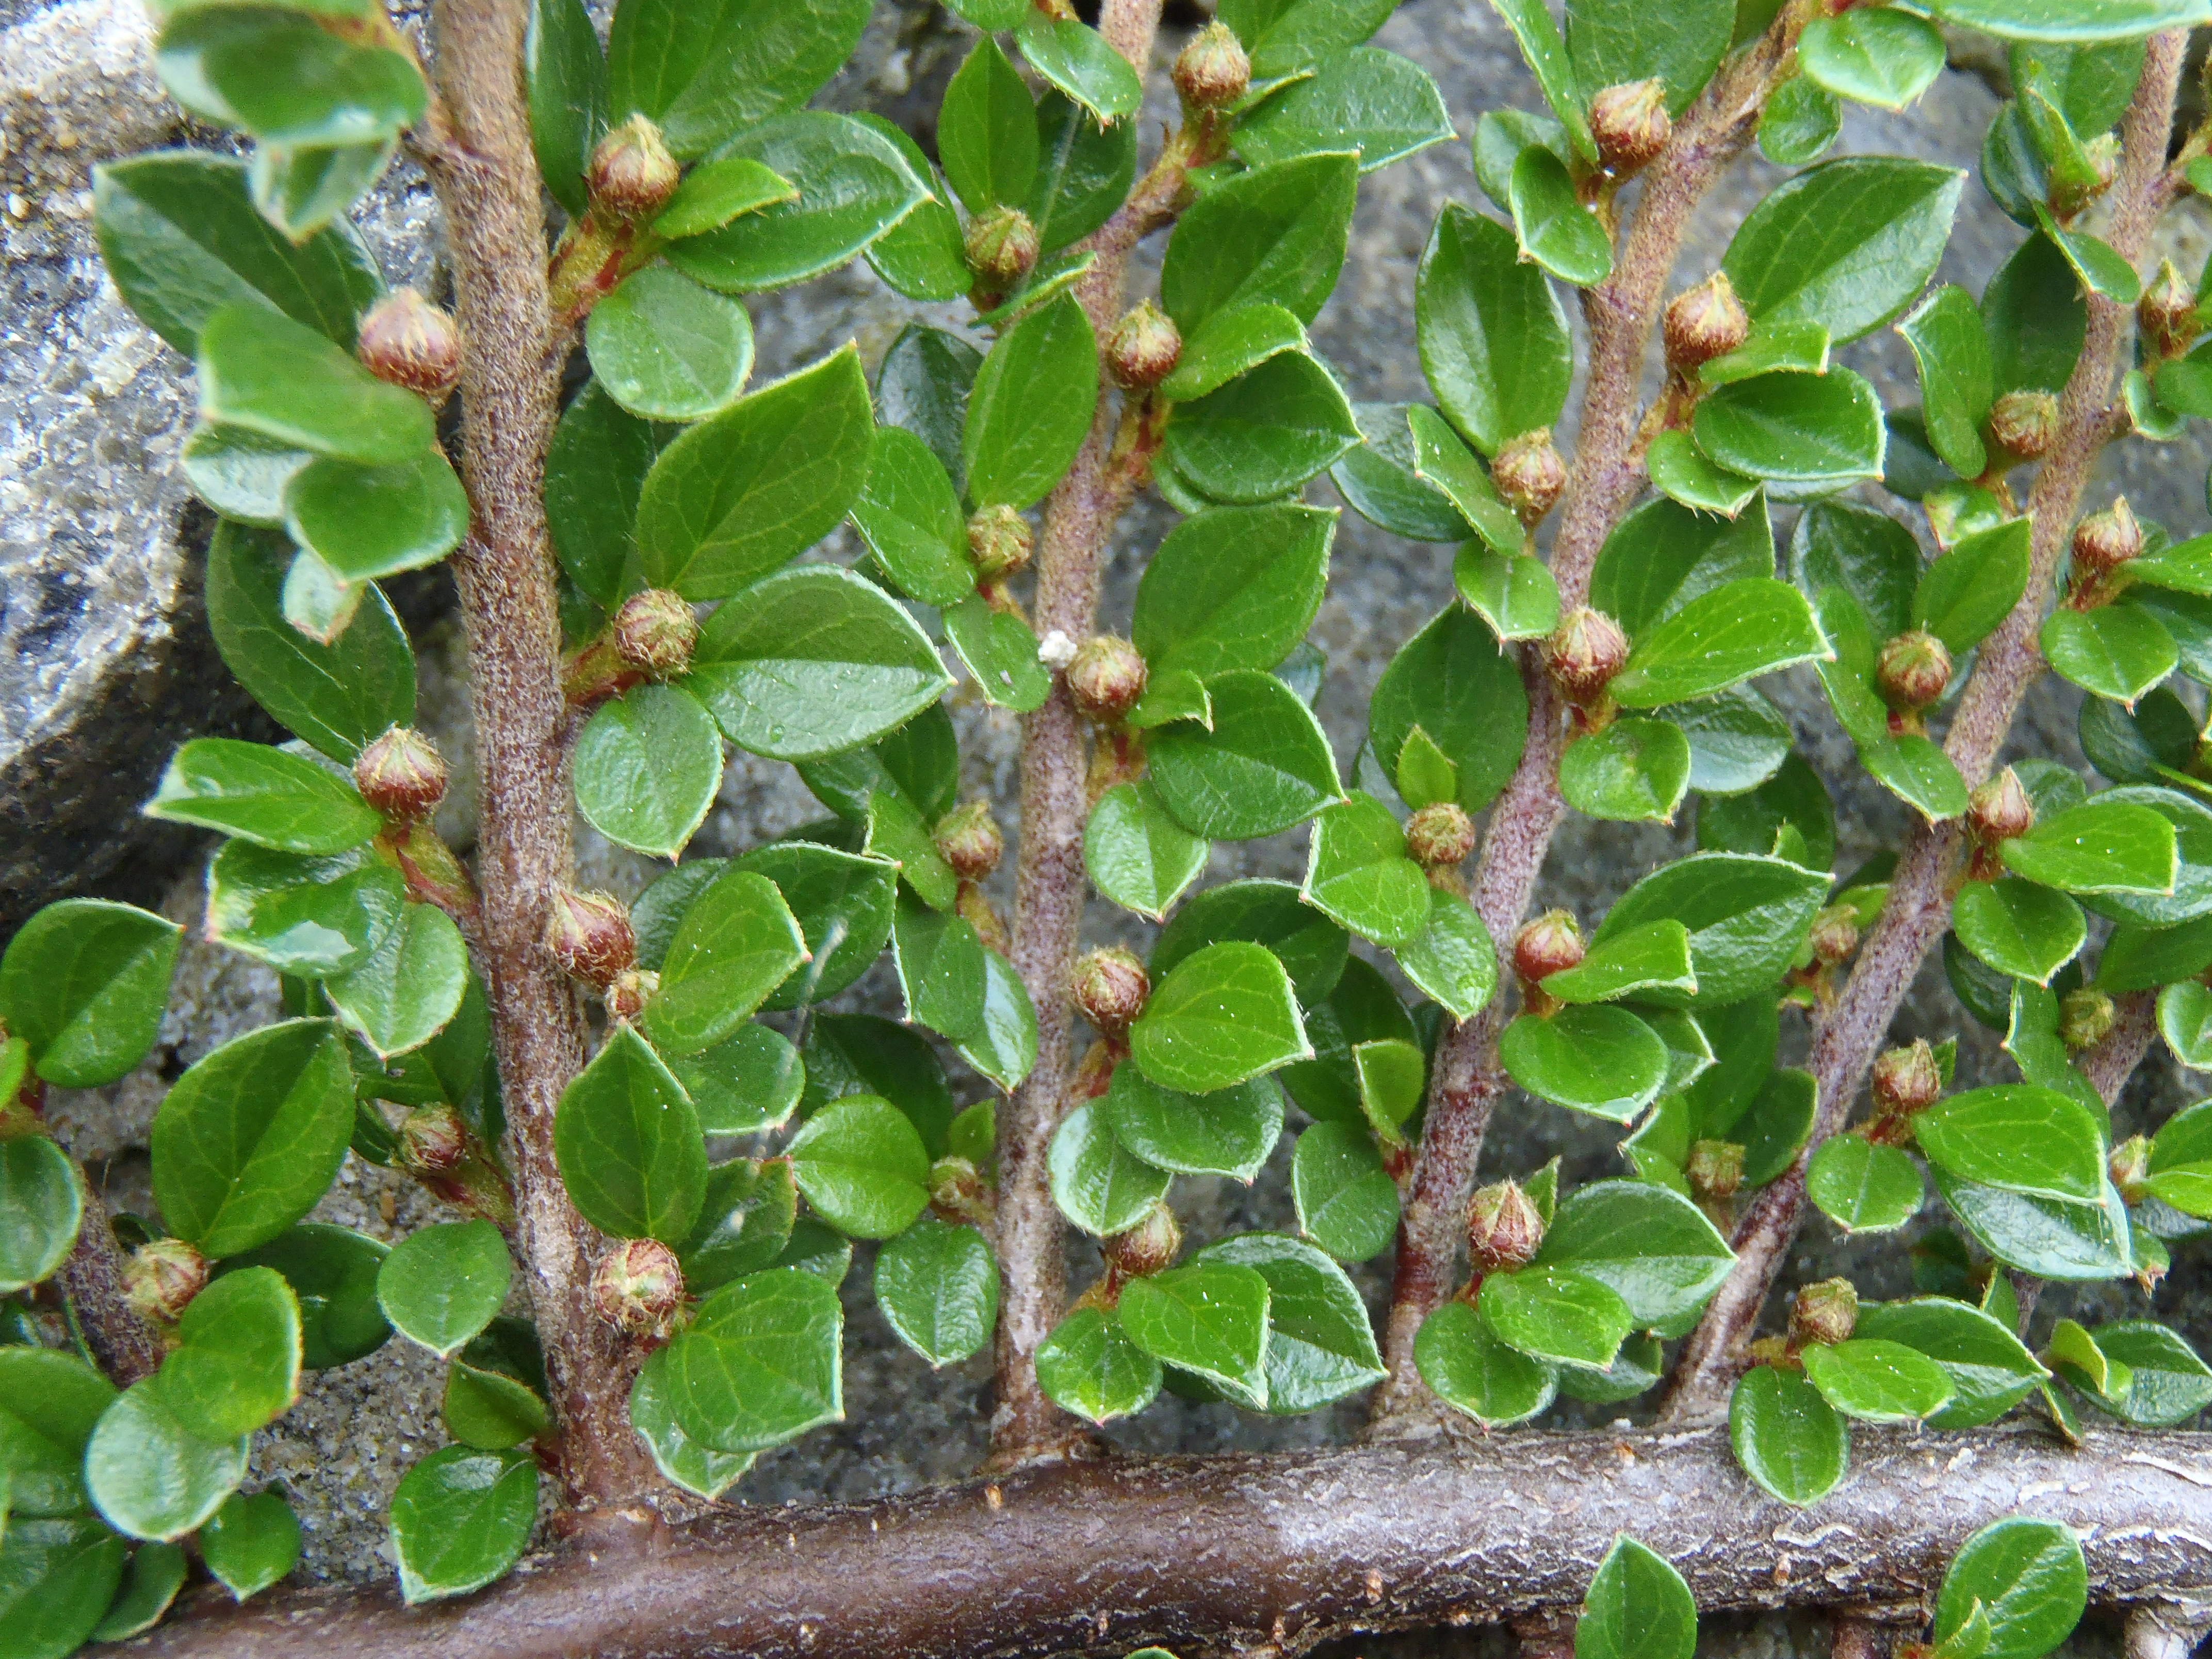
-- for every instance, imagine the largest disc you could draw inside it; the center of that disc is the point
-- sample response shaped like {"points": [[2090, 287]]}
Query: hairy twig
{"points": [[122, 1344], [1919, 903]]}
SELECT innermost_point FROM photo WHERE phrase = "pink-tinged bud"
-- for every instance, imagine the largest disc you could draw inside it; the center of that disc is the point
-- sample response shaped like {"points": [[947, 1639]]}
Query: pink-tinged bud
{"points": [[1913, 671], [1105, 678], [630, 990], [1705, 322], [1148, 1248], [968, 839], [957, 1189], [1111, 987], [2166, 313], [655, 631], [1001, 246], [1715, 1169], [631, 175], [1529, 475], [405, 340], [589, 935], [1907, 1080], [1213, 70], [432, 1141], [1826, 1313], [2086, 1018], [1504, 1229], [161, 1278], [2000, 810], [2025, 424], [638, 1286], [1629, 125], [2129, 1168], [1550, 944], [2105, 541], [400, 774], [1583, 655], [999, 541], [1142, 347], [1835, 934], [1440, 837]]}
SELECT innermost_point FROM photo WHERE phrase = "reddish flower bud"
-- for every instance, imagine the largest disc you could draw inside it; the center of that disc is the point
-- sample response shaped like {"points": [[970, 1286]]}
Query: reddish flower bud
{"points": [[589, 935], [1440, 837], [2166, 313], [1705, 322], [1913, 671], [406, 341], [968, 839], [1213, 70], [1150, 1247], [1001, 246], [432, 1141], [400, 774], [1584, 655], [1529, 475], [1715, 1169], [999, 541], [1907, 1080], [2086, 1018], [1826, 1313], [631, 175], [1504, 1229], [1835, 934], [1629, 125], [1550, 944], [655, 631], [638, 1286], [1110, 989], [2025, 424], [161, 1278], [2105, 541], [631, 990], [1105, 677], [2000, 810], [1143, 349], [2129, 1167]]}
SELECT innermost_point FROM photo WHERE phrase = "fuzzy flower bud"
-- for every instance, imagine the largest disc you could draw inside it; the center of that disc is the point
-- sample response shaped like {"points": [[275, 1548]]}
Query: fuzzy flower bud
{"points": [[1705, 322], [968, 839], [638, 1286], [400, 774], [405, 340], [655, 631], [1001, 246], [2000, 810], [1715, 1169], [1907, 1080], [432, 1141], [1440, 837], [1629, 125], [999, 541], [1110, 989], [1550, 944], [2086, 1018], [1529, 475], [1503, 1229], [2025, 424], [1150, 1247], [589, 936], [2166, 313], [161, 1278], [2105, 541], [1212, 71], [1587, 650], [1143, 349], [631, 175], [1105, 677], [2129, 1167], [1913, 671], [631, 990], [1826, 1313], [1835, 934], [956, 1188]]}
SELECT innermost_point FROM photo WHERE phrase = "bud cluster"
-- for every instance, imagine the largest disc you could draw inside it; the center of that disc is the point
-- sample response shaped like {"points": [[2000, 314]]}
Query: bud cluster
{"points": [[1907, 1080], [161, 1278], [401, 774], [438, 1148], [959, 1192], [2129, 1168], [2023, 425], [654, 632], [638, 1287], [1503, 1229], [1715, 1169], [631, 175], [1703, 323], [631, 989], [2103, 542], [1550, 944], [1212, 71], [999, 542], [1143, 349], [1997, 811], [1835, 934], [1001, 246], [589, 935], [2085, 1017], [1440, 837], [1913, 672], [1110, 989], [968, 839]]}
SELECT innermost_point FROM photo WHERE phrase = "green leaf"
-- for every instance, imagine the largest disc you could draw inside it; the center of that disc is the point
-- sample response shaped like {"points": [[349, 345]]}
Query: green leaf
{"points": [[263, 795], [41, 1204], [1321, 1346], [2051, 1237], [1875, 1381], [1794, 428], [737, 943], [363, 522], [57, 1580], [156, 1574], [629, 1144], [717, 192], [999, 653], [332, 1272], [1990, 1370], [2019, 928], [1653, 956], [50, 1402], [1383, 106], [2103, 847], [648, 766], [1887, 60], [1358, 874], [938, 1289], [761, 1363], [2022, 1138], [1090, 1367], [666, 349], [2035, 314], [1737, 740], [408, 988], [1078, 60], [1263, 767], [1440, 458], [844, 905], [1275, 235], [1098, 1184], [1686, 477], [1848, 243], [986, 131], [1229, 1131], [1083, 171], [940, 962], [261, 370], [695, 1467], [1311, 948], [1777, 1125], [1031, 406], [236, 1366], [1209, 1319], [596, 467], [1786, 1437], [1965, 594], [1662, 557], [441, 1285], [2184, 1020], [919, 762], [1653, 1247], [1747, 917], [1734, 632], [1863, 1188], [240, 474], [285, 79], [249, 1136], [1454, 682], [1548, 60], [1957, 377], [301, 189], [1229, 343], [1265, 433], [2155, 1379], [567, 74], [1602, 1060], [1380, 480], [1471, 1368], [252, 1543], [702, 75], [150, 1477], [1005, 1046], [1222, 1015], [1555, 228], [896, 831], [2057, 20], [2193, 885], [1638, 1607], [1493, 338], [1556, 1315], [2028, 1578], [1233, 587], [1346, 1202], [862, 1166], [744, 1224], [460, 1519], [314, 916], [1797, 347], [1611, 42], [1138, 856], [739, 496], [84, 983], [2116, 652], [910, 518], [811, 661], [1801, 120], [1794, 799], [1632, 770]]}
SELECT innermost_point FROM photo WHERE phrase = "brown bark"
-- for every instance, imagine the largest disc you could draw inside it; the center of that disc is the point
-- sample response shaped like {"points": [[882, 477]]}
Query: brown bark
{"points": [[122, 1344]]}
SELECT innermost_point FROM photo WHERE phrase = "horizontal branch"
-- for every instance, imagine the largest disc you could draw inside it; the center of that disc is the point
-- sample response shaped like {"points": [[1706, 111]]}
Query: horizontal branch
{"points": [[1230, 1552]]}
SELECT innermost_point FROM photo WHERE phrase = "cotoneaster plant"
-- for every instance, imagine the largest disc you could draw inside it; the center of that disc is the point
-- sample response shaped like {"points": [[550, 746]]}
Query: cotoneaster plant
{"points": [[657, 1138]]}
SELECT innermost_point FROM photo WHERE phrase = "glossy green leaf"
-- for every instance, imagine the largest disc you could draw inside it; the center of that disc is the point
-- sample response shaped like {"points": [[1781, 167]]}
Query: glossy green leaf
{"points": [[41, 1204], [1321, 1346], [1656, 956], [408, 988], [307, 916], [1653, 1247], [666, 349], [2030, 1580], [1005, 1046], [1453, 959], [263, 795], [1800, 122], [1379, 478], [910, 518], [1263, 767], [861, 1164], [1083, 171], [2155, 1378], [2103, 847], [150, 1477], [1965, 594], [999, 653], [844, 905], [1136, 854], [1232, 588], [1633, 770], [50, 1403], [155, 1574], [460, 1520], [1274, 234], [1493, 338], [1219, 1016], [1470, 1368], [939, 959], [744, 1224], [1265, 433], [648, 766], [566, 78], [1555, 228], [987, 132], [1229, 1131], [1090, 1367], [2116, 652], [1786, 1437], [1990, 1369], [1876, 1381], [696, 1467], [1031, 406], [1598, 1059], [236, 1366], [1862, 1186], [761, 1363], [1556, 1314], [252, 1543], [1732, 634], [441, 1285], [84, 982], [1662, 557], [1346, 1202], [629, 1144], [1079, 61], [303, 189], [1380, 105], [2022, 1138], [1737, 739], [737, 942], [1453, 681], [1887, 60], [332, 1272], [1358, 874], [58, 1580], [938, 1289], [1311, 948], [1957, 378], [260, 370], [1098, 1184], [1638, 1607], [1548, 60], [704, 74], [1794, 428], [1209, 1319], [1747, 917]]}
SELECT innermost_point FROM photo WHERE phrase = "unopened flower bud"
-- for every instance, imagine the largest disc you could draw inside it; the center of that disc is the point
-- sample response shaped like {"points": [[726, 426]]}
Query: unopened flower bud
{"points": [[999, 541], [2105, 541], [631, 175], [2086, 1018], [1705, 322], [1001, 246], [638, 1286], [1913, 671], [2000, 810], [432, 1141], [2129, 1167], [1907, 1080], [1213, 70], [1550, 944], [2166, 313], [1529, 475], [1110, 989], [631, 990], [589, 935], [1503, 1229], [956, 1188], [968, 839], [1835, 934], [1715, 1169], [1586, 651], [400, 774], [1826, 1313], [1150, 1247], [655, 631], [405, 340], [2024, 424], [1143, 349], [1105, 678], [1629, 125], [161, 1278], [1440, 837]]}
